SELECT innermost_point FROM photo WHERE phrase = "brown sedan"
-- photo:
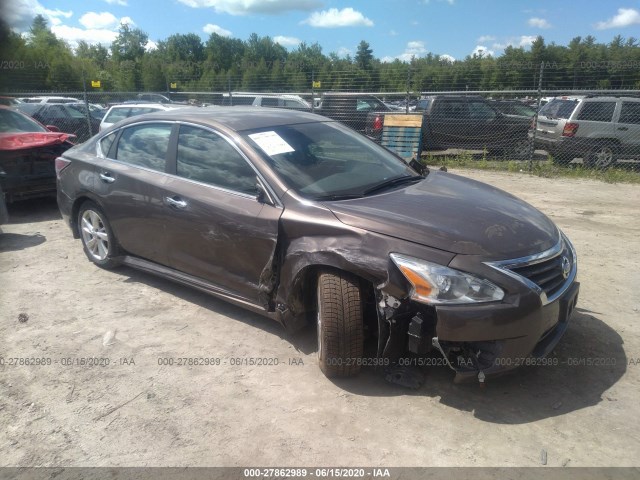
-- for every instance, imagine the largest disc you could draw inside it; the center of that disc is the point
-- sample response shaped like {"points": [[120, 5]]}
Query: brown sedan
{"points": [[301, 219]]}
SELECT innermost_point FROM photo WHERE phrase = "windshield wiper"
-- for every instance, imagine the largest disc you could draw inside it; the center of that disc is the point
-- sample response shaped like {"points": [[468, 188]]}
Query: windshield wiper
{"points": [[339, 196], [393, 182]]}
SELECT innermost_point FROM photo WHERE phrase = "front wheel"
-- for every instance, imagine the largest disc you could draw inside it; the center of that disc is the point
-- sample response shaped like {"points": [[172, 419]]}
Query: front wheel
{"points": [[601, 156], [98, 241], [340, 324]]}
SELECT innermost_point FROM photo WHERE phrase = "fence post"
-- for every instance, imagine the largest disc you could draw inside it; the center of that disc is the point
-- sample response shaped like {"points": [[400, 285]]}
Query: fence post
{"points": [[408, 86], [229, 85], [86, 102], [313, 94], [532, 147]]}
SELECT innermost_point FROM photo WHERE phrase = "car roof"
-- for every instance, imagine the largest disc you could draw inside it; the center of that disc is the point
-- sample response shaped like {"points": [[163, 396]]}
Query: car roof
{"points": [[143, 104], [234, 118]]}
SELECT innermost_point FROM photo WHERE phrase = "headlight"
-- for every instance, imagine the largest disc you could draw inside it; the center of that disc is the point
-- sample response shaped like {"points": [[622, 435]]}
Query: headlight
{"points": [[437, 284]]}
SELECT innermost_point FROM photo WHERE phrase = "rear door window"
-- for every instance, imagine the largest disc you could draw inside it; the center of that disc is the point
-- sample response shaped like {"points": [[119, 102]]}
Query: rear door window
{"points": [[481, 111], [145, 145], [597, 111], [630, 113], [206, 157], [117, 114], [455, 109]]}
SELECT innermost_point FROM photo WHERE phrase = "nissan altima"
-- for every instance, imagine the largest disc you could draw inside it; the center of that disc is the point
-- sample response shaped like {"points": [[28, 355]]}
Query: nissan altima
{"points": [[297, 217]]}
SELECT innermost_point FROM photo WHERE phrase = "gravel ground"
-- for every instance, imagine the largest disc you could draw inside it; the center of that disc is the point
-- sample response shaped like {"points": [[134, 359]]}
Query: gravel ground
{"points": [[56, 306]]}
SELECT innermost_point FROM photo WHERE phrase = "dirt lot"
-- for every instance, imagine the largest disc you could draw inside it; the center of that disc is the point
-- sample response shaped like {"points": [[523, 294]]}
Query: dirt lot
{"points": [[135, 412]]}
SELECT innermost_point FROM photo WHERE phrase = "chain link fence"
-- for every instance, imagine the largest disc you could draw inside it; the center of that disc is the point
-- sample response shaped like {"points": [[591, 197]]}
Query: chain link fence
{"points": [[582, 114]]}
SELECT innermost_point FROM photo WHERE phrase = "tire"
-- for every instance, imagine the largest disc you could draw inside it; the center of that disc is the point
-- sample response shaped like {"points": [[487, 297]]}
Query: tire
{"points": [[601, 156], [98, 242], [340, 324]]}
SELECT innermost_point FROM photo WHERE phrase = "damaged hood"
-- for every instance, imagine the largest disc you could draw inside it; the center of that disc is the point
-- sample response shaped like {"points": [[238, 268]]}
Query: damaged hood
{"points": [[455, 214]]}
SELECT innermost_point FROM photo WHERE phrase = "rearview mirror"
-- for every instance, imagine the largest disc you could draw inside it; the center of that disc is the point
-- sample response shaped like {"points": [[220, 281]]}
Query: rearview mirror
{"points": [[53, 128]]}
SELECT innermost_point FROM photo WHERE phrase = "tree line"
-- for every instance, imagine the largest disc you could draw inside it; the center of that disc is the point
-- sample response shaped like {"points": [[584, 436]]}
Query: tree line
{"points": [[40, 61]]}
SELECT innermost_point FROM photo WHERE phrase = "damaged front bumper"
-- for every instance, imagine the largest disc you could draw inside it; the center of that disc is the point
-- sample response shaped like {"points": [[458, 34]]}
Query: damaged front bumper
{"points": [[477, 341]]}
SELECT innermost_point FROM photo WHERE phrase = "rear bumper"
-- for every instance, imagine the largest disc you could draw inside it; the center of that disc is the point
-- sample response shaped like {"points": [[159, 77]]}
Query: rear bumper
{"points": [[566, 146], [498, 339], [65, 205]]}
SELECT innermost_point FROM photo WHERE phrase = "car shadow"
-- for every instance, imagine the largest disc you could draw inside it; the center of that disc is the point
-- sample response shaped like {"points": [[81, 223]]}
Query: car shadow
{"points": [[590, 360], [526, 395], [11, 242], [33, 210]]}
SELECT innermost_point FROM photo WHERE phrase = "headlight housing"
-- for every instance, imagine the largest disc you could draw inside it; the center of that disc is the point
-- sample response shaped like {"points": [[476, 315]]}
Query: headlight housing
{"points": [[437, 284]]}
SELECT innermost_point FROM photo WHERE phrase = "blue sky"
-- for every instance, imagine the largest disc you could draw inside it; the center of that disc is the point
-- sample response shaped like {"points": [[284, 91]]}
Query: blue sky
{"points": [[394, 29]]}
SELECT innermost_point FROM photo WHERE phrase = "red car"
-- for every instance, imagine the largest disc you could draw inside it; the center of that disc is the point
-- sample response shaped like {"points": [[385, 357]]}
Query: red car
{"points": [[27, 155]]}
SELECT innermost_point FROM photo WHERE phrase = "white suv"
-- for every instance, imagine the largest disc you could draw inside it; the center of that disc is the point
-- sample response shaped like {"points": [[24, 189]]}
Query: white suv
{"points": [[293, 102], [120, 112], [598, 129]]}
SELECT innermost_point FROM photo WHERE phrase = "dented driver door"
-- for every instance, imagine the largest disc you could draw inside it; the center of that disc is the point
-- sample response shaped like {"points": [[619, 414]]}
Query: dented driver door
{"points": [[217, 228]]}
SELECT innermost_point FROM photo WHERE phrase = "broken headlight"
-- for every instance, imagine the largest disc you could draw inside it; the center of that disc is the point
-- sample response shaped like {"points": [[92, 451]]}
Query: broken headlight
{"points": [[437, 284]]}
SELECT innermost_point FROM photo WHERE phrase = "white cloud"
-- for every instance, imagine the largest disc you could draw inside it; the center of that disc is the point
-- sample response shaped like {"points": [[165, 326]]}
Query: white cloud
{"points": [[127, 21], [343, 52], [415, 48], [538, 22], [332, 18], [93, 20], [122, 3], [74, 34], [19, 14], [486, 38], [247, 7], [483, 51], [624, 18], [287, 41], [211, 28], [523, 41], [151, 45], [447, 58]]}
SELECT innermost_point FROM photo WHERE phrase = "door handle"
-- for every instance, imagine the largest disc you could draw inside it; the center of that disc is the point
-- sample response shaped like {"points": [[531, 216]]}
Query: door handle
{"points": [[175, 202], [107, 178], [624, 129]]}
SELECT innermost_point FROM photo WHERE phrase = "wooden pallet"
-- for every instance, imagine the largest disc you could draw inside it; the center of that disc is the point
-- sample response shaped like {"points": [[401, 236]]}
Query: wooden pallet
{"points": [[403, 134]]}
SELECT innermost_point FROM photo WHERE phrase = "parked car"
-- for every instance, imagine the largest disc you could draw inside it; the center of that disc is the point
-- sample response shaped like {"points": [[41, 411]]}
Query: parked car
{"points": [[154, 98], [293, 102], [471, 122], [302, 219], [27, 154], [66, 117], [9, 101], [598, 129], [513, 107], [363, 113], [120, 112], [48, 99]]}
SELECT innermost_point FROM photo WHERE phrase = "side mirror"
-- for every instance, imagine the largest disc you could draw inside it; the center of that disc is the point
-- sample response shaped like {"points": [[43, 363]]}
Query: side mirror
{"points": [[418, 166], [52, 128]]}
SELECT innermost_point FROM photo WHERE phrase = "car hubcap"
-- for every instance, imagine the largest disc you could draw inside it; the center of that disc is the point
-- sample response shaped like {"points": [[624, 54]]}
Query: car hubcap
{"points": [[94, 235], [603, 157]]}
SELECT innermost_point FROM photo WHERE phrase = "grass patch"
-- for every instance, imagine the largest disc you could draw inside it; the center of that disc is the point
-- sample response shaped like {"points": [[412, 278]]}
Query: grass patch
{"points": [[621, 173]]}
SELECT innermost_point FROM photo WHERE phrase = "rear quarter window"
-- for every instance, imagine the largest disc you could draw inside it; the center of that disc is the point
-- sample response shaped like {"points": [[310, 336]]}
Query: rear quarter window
{"points": [[558, 108], [630, 113], [116, 114]]}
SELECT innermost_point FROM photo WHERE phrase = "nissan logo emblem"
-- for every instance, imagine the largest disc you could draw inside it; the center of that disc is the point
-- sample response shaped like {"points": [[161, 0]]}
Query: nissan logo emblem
{"points": [[566, 267]]}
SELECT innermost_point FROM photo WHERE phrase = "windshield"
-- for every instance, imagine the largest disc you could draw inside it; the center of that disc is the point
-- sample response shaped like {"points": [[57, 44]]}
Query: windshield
{"points": [[324, 159], [12, 122], [558, 108]]}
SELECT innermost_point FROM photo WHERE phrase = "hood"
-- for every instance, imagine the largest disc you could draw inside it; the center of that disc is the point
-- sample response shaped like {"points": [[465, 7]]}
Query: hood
{"points": [[24, 140], [455, 214]]}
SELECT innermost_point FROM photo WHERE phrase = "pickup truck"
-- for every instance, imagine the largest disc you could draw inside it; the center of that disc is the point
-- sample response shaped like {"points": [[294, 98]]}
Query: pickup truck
{"points": [[363, 113], [470, 122]]}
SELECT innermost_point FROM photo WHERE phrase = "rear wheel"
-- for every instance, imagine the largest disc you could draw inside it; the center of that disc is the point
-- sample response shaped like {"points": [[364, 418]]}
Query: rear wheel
{"points": [[340, 324], [520, 149], [601, 156], [98, 241]]}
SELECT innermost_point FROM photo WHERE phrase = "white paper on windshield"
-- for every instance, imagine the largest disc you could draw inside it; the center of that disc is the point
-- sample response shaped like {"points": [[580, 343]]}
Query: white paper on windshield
{"points": [[271, 143]]}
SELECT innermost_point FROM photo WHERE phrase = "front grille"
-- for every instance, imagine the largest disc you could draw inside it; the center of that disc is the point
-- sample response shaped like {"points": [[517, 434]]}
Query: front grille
{"points": [[550, 272], [547, 273]]}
